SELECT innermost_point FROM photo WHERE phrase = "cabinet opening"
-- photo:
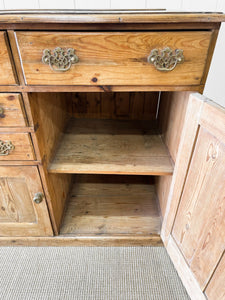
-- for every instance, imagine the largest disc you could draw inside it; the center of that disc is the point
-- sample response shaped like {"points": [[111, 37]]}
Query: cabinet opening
{"points": [[111, 205], [108, 158]]}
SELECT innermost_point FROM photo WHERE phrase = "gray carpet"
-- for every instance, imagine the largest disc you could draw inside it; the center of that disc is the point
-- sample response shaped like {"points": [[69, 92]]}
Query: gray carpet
{"points": [[126, 273]]}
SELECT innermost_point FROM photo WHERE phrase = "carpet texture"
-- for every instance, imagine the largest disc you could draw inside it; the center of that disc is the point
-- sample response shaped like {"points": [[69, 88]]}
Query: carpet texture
{"points": [[99, 273]]}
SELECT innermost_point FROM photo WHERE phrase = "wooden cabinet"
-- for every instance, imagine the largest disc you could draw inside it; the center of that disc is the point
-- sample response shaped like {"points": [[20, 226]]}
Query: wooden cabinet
{"points": [[19, 214], [103, 129]]}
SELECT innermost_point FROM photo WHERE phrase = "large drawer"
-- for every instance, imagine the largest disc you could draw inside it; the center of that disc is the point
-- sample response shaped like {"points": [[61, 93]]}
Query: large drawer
{"points": [[16, 146], [12, 112], [7, 75], [108, 58]]}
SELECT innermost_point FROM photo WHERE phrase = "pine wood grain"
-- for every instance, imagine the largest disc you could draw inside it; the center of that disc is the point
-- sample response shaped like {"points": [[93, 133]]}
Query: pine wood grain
{"points": [[120, 105], [87, 241], [19, 215], [111, 147], [200, 222], [49, 115], [184, 272], [111, 17], [216, 287], [171, 116], [187, 141], [114, 58], [111, 205], [13, 111], [7, 75], [23, 146]]}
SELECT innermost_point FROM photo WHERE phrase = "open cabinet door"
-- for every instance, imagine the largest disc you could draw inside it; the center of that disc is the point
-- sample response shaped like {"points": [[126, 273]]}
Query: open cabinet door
{"points": [[193, 228]]}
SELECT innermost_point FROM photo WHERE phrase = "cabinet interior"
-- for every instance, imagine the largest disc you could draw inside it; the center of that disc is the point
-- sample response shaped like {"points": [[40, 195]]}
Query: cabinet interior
{"points": [[109, 158]]}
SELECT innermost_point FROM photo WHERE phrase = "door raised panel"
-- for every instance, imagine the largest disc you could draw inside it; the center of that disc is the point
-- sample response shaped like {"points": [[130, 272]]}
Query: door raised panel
{"points": [[19, 214], [200, 222]]}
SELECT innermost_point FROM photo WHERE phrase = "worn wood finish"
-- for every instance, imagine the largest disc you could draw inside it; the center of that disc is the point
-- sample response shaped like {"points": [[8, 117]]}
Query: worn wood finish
{"points": [[19, 215], [200, 222], [111, 205], [111, 147], [111, 26], [12, 114], [7, 77], [216, 287], [23, 146], [120, 106], [16, 56], [187, 141], [100, 88], [171, 116], [102, 55], [108, 16], [49, 115], [102, 240], [199, 225], [184, 272]]}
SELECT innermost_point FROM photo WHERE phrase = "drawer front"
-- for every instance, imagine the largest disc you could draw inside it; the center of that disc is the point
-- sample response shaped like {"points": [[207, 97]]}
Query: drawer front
{"points": [[16, 146], [7, 75], [113, 58], [11, 111]]}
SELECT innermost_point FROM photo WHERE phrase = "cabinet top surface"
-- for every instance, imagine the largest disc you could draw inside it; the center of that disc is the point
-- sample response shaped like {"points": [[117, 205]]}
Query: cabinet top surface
{"points": [[108, 16]]}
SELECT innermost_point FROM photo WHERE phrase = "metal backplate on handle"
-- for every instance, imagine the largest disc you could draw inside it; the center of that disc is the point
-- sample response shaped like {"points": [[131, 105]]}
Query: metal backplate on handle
{"points": [[61, 60], [166, 59], [6, 147]]}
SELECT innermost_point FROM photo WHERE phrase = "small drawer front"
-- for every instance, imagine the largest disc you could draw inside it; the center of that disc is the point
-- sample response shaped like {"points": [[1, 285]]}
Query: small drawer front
{"points": [[126, 58], [7, 76], [16, 146], [12, 111]]}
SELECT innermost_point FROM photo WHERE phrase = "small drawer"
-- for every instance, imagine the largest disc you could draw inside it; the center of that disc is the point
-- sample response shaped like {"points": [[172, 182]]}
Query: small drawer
{"points": [[7, 76], [16, 146], [108, 58], [11, 111]]}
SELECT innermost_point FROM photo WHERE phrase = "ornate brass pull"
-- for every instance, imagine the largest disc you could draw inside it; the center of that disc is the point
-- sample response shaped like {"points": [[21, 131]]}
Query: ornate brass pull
{"points": [[6, 148], [59, 60], [166, 59], [38, 197], [2, 115]]}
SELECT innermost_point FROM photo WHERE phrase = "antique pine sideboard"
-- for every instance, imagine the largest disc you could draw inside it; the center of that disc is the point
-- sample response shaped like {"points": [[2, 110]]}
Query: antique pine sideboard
{"points": [[105, 138]]}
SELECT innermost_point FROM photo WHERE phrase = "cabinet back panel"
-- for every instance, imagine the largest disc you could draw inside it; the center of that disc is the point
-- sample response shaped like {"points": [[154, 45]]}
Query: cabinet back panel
{"points": [[121, 105]]}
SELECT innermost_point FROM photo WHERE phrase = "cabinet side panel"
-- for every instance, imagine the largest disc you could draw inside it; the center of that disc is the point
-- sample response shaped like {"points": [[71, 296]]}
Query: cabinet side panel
{"points": [[172, 110], [49, 113]]}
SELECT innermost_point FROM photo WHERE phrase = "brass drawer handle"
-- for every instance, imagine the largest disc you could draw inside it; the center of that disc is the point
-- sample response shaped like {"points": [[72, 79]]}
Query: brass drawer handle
{"points": [[38, 197], [59, 60], [166, 59], [2, 114], [6, 148]]}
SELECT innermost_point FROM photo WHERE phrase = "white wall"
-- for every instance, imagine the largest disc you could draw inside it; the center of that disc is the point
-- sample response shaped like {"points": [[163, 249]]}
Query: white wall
{"points": [[215, 85]]}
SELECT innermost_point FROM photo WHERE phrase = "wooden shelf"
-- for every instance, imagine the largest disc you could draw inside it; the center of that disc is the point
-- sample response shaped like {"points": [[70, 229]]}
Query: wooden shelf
{"points": [[110, 206], [111, 147]]}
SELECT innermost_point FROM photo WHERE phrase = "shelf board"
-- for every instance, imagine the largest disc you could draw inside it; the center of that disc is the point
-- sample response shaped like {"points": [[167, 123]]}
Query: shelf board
{"points": [[111, 147], [111, 206]]}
